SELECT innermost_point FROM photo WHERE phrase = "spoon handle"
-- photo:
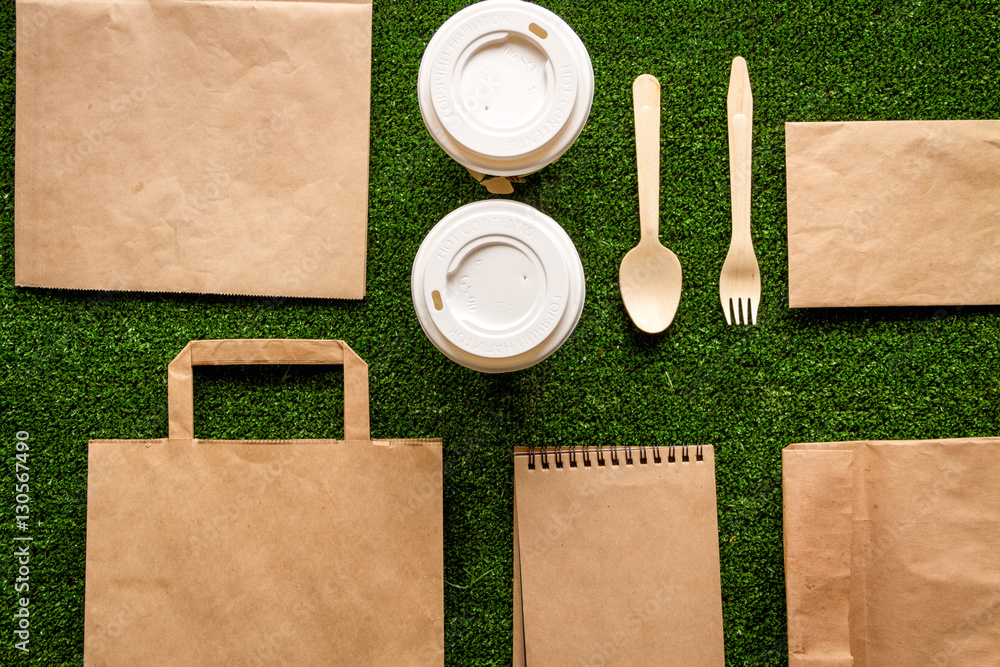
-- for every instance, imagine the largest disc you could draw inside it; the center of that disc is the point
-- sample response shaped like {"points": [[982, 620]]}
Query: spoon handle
{"points": [[646, 103]]}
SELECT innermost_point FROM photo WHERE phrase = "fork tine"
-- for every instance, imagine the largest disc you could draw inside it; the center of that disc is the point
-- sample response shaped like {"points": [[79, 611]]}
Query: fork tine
{"points": [[755, 304], [727, 305]]}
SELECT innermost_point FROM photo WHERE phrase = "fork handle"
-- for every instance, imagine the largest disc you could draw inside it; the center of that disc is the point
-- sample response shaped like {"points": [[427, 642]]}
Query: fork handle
{"points": [[646, 106], [740, 139], [739, 109]]}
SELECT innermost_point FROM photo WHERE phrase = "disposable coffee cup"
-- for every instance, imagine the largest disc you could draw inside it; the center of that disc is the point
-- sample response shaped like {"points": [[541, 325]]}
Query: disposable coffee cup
{"points": [[497, 286], [505, 88]]}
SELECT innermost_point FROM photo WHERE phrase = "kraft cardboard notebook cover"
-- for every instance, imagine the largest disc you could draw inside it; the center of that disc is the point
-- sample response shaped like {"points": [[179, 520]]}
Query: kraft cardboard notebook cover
{"points": [[175, 146], [616, 557]]}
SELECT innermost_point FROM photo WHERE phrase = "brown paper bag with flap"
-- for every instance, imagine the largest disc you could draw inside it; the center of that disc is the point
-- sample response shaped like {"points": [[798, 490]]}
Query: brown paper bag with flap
{"points": [[893, 213], [177, 146], [892, 553], [297, 552], [616, 557]]}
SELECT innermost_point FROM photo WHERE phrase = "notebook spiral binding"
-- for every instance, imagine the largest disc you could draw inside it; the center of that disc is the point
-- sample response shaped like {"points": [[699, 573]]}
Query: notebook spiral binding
{"points": [[590, 455]]}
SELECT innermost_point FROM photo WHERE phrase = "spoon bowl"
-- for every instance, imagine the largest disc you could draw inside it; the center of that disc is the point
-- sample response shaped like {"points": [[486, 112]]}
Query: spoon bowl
{"points": [[650, 280]]}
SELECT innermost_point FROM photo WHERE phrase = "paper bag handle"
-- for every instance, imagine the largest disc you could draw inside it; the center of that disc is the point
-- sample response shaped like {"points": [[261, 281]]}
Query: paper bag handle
{"points": [[264, 351]]}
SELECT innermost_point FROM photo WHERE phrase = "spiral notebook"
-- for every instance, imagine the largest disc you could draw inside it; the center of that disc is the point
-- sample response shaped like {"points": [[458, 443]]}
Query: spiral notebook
{"points": [[616, 557]]}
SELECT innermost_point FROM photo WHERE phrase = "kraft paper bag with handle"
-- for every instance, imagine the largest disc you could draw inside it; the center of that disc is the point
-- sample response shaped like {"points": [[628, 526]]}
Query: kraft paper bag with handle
{"points": [[891, 553], [616, 557], [298, 552], [893, 213], [177, 146]]}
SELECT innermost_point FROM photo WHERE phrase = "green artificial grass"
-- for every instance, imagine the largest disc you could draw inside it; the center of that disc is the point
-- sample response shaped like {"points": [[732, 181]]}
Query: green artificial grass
{"points": [[82, 365]]}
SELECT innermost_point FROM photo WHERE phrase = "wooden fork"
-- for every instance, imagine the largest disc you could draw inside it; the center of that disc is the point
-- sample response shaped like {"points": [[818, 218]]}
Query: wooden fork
{"points": [[739, 284]]}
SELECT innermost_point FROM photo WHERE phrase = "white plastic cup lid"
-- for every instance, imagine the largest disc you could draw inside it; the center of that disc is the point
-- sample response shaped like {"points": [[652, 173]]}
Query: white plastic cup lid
{"points": [[498, 286], [505, 87]]}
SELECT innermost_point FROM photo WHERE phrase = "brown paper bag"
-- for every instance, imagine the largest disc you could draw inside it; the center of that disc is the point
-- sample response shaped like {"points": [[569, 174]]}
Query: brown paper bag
{"points": [[297, 552], [179, 146], [891, 553], [893, 213], [616, 554]]}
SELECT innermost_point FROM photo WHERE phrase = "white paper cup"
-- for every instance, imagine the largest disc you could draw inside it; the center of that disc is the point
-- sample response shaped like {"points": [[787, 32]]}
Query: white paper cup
{"points": [[505, 87], [498, 286]]}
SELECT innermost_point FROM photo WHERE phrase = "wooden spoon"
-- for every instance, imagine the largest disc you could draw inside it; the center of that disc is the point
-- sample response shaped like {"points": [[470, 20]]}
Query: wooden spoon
{"points": [[650, 275]]}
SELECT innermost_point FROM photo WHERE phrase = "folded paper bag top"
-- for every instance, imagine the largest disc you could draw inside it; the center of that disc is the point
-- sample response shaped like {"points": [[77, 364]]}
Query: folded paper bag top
{"points": [[505, 88], [893, 213]]}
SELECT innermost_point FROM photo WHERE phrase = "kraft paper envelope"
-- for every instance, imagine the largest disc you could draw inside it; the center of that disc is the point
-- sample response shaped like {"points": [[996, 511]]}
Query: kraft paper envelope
{"points": [[893, 213], [171, 146], [616, 557], [892, 553]]}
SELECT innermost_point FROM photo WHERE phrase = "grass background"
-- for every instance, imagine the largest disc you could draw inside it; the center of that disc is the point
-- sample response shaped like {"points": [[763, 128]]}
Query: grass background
{"points": [[81, 365]]}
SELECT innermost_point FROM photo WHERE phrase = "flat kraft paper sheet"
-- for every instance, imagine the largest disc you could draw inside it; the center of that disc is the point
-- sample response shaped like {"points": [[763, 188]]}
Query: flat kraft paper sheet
{"points": [[893, 213], [891, 553], [175, 146], [617, 564]]}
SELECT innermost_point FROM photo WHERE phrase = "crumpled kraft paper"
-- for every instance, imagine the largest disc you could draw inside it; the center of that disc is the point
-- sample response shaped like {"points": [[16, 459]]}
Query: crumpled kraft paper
{"points": [[893, 213], [178, 146], [891, 553]]}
